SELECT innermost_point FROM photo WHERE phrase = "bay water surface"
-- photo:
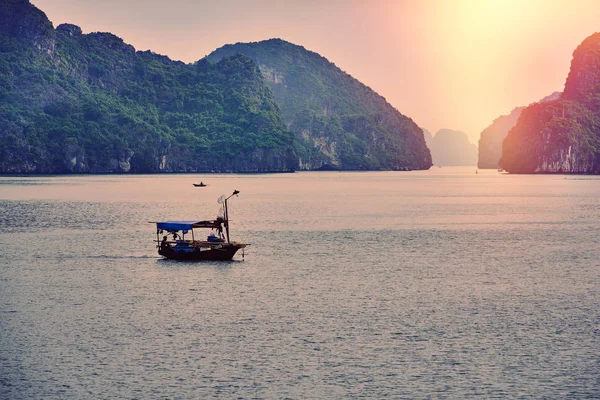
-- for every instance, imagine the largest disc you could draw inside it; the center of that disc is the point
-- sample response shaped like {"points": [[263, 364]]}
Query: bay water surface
{"points": [[424, 284]]}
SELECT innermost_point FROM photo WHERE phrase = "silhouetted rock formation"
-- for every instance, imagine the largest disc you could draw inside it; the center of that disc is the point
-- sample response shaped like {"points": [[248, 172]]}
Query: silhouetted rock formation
{"points": [[449, 147]]}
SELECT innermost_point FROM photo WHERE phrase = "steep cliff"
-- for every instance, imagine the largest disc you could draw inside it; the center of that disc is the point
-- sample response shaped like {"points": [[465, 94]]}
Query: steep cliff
{"points": [[449, 148], [78, 103], [18, 18], [490, 142], [337, 121], [428, 141], [563, 135]]}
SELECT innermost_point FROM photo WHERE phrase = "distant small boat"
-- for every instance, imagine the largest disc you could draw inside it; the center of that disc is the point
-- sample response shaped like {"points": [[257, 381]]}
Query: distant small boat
{"points": [[201, 184]]}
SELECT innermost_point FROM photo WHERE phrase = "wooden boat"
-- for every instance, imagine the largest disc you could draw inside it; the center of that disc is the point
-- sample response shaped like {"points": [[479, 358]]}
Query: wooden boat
{"points": [[201, 184], [217, 245]]}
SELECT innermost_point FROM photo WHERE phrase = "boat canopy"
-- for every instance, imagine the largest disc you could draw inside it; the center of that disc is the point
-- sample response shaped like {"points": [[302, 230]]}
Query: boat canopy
{"points": [[173, 226]]}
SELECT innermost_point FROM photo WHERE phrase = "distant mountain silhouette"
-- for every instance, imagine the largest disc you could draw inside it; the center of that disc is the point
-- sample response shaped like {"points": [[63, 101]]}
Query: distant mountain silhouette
{"points": [[449, 147]]}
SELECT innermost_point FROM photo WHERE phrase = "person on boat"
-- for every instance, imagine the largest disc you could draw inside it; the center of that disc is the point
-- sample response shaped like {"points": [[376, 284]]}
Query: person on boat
{"points": [[164, 244]]}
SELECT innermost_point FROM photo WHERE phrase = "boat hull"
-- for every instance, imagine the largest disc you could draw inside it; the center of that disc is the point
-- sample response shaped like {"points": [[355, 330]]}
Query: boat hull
{"points": [[220, 253]]}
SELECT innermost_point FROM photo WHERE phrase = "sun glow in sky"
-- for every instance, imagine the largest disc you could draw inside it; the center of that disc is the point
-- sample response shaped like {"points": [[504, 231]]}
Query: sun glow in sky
{"points": [[456, 64]]}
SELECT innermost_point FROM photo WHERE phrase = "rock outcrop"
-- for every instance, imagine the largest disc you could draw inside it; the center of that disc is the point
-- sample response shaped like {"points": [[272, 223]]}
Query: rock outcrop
{"points": [[451, 148], [337, 121], [490, 142], [563, 135], [89, 103], [19, 19]]}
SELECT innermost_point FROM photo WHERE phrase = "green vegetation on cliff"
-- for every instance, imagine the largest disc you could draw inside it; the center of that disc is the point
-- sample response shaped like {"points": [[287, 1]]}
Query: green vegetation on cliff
{"points": [[337, 121], [71, 102], [562, 135], [491, 138]]}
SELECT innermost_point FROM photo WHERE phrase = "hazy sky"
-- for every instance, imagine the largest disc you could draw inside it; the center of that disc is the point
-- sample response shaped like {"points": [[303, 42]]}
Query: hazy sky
{"points": [[454, 64]]}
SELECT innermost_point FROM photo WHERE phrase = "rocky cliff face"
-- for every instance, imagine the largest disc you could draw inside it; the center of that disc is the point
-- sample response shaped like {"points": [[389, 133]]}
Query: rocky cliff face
{"points": [[89, 103], [337, 121], [583, 81], [562, 135], [543, 141], [18, 18], [490, 142], [428, 138], [451, 148]]}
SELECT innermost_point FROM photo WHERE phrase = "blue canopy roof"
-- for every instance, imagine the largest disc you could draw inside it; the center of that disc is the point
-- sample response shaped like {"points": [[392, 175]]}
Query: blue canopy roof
{"points": [[187, 225]]}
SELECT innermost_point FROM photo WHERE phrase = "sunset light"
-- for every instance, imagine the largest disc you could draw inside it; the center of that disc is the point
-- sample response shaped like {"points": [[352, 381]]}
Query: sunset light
{"points": [[299, 199], [447, 64]]}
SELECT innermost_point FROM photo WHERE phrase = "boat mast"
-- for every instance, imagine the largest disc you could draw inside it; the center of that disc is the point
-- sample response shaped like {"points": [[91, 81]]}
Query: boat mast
{"points": [[226, 223], [226, 212]]}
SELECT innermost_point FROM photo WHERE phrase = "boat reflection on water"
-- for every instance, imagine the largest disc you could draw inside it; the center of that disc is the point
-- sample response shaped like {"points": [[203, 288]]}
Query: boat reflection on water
{"points": [[217, 245]]}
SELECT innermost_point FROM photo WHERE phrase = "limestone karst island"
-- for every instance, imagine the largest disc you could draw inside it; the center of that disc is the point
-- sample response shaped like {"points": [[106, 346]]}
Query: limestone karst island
{"points": [[75, 102], [91, 103]]}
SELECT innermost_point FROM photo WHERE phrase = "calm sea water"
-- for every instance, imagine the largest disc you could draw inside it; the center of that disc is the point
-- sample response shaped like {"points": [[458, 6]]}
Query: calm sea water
{"points": [[433, 284]]}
